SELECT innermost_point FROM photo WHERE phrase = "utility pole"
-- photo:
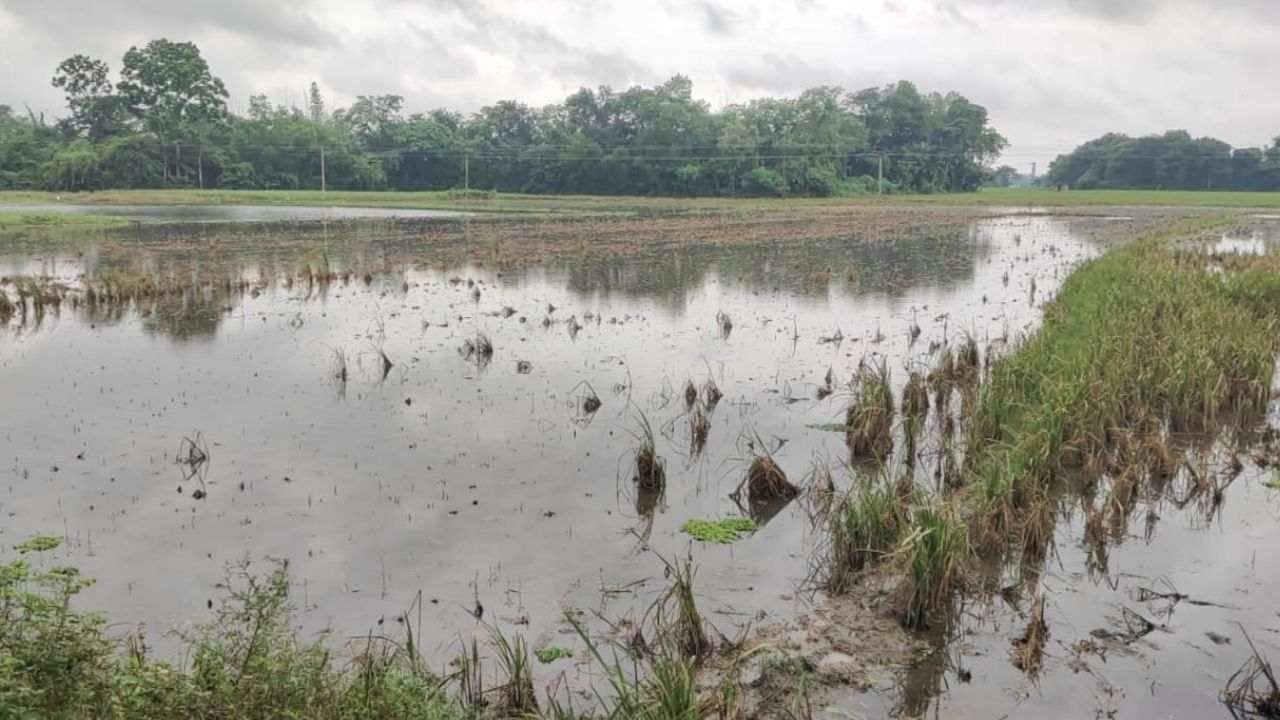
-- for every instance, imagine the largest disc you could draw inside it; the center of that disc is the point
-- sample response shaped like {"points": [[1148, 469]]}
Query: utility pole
{"points": [[200, 166], [466, 171], [880, 176], [177, 159], [1033, 173], [323, 188]]}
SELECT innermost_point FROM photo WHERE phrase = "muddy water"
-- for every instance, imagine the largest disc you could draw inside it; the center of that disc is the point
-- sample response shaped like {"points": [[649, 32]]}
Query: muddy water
{"points": [[478, 484]]}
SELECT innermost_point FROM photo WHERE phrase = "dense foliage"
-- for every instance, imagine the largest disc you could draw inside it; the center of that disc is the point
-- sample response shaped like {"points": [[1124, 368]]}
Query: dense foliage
{"points": [[165, 124], [1172, 161]]}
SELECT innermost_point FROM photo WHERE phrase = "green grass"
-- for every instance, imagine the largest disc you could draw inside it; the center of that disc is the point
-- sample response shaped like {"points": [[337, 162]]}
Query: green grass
{"points": [[870, 417], [935, 554], [1153, 337], [18, 220], [722, 531], [591, 204], [1040, 197], [248, 662], [864, 528], [1144, 340]]}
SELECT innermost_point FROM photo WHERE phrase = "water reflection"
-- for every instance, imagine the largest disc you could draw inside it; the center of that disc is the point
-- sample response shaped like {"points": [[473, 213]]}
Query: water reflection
{"points": [[200, 281]]}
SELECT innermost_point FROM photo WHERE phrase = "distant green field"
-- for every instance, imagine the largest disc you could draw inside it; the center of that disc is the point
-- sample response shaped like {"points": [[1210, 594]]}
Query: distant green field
{"points": [[510, 202], [16, 220]]}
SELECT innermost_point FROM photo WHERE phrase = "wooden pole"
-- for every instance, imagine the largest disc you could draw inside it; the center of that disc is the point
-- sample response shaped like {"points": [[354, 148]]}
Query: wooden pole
{"points": [[466, 171], [323, 181], [880, 177], [200, 167]]}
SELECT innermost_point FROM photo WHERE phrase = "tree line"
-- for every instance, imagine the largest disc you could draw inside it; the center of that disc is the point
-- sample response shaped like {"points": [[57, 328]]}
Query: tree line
{"points": [[1172, 161], [164, 123]]}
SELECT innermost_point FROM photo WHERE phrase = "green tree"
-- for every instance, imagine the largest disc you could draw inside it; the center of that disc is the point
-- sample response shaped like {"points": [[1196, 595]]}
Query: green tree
{"points": [[96, 112], [168, 86]]}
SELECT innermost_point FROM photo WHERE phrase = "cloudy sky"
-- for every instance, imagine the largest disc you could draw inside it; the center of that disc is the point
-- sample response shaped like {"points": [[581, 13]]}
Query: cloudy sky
{"points": [[1052, 72]]}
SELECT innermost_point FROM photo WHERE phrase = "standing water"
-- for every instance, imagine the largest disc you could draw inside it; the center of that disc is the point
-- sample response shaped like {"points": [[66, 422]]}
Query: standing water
{"points": [[360, 429]]}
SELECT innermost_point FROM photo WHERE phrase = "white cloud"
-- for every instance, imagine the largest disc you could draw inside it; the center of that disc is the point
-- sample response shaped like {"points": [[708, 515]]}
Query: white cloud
{"points": [[1052, 72]]}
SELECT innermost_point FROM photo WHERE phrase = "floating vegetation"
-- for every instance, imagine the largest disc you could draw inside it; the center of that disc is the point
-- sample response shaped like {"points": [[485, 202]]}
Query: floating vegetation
{"points": [[39, 543], [721, 532], [552, 653]]}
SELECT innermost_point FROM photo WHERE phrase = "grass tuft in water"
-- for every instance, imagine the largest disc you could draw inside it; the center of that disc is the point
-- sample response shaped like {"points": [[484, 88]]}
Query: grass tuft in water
{"points": [[870, 418], [863, 529], [934, 556]]}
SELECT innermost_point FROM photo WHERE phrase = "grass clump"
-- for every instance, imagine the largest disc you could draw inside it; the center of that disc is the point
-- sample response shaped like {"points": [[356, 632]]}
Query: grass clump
{"points": [[1253, 691], [720, 532], [863, 529], [765, 481], [915, 410], [649, 472], [934, 555], [870, 418], [699, 430]]}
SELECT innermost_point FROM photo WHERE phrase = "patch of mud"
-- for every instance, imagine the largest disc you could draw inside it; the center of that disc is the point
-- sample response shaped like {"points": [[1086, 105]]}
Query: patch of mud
{"points": [[836, 656]]}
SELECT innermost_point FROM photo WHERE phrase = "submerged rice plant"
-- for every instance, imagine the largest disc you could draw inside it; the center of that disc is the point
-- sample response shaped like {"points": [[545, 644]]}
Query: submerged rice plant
{"points": [[869, 420], [863, 529], [934, 555]]}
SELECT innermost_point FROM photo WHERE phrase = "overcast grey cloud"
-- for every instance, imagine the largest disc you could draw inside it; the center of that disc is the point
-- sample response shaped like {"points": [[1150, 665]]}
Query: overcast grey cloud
{"points": [[1052, 72]]}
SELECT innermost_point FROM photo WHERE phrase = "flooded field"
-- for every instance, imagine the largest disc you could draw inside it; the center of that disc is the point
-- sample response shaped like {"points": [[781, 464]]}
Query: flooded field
{"points": [[460, 419]]}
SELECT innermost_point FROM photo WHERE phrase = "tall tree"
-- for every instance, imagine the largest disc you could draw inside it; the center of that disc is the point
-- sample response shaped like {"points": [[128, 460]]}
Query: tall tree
{"points": [[315, 103], [169, 87], [96, 112]]}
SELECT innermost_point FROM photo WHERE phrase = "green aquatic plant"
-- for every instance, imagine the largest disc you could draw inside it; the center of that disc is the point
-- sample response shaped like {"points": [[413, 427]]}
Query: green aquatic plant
{"points": [[722, 531], [552, 653], [39, 543]]}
